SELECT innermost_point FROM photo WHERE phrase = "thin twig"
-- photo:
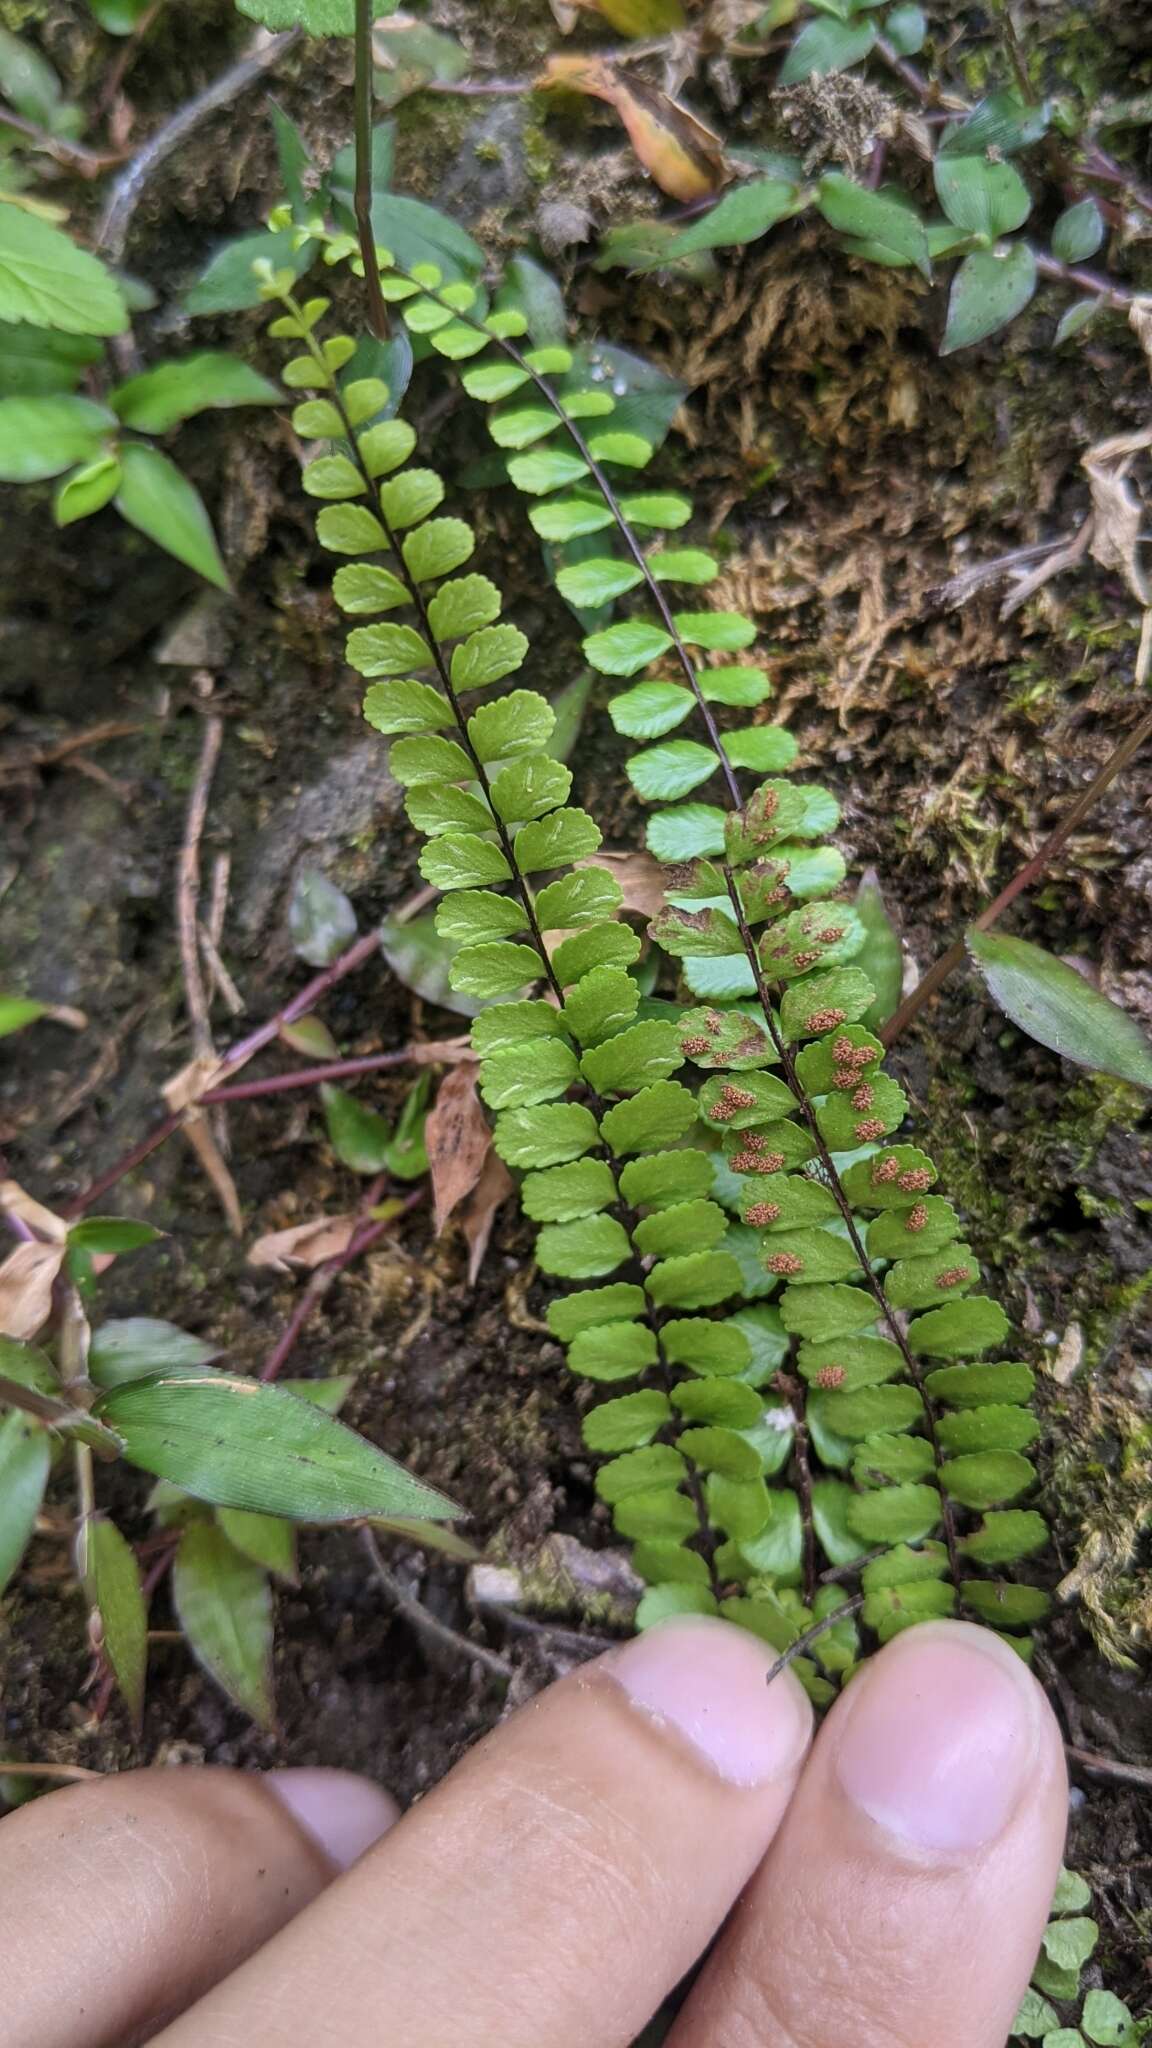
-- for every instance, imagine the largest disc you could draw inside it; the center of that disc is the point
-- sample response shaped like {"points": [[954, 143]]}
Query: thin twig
{"points": [[1109, 1767], [71, 1773], [188, 888], [311, 1077], [425, 1625], [90, 163], [1021, 880], [126, 194], [813, 1635], [362, 192]]}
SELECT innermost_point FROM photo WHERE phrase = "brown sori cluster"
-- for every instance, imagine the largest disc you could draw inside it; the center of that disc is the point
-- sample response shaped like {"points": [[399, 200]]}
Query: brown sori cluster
{"points": [[696, 1044], [754, 1159], [829, 1377], [871, 1127], [953, 1276], [917, 1217], [916, 1181], [824, 1020], [762, 1213], [787, 1264], [731, 1099]]}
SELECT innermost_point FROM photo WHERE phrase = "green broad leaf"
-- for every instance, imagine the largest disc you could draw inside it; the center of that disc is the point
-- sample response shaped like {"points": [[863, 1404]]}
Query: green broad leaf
{"points": [[666, 1179], [840, 1061], [25, 1457], [1006, 1536], [745, 212], [520, 426], [315, 17], [1003, 1605], [871, 1411], [39, 437], [623, 649], [429, 760], [240, 1444], [578, 899], [612, 1351], [569, 519], [894, 1608], [1069, 1943], [642, 1054], [895, 1514], [989, 289], [585, 1249], [962, 1330], [903, 1567], [721, 1403], [546, 469], [529, 789], [520, 1076], [895, 1178], [87, 490], [553, 842], [1078, 233], [487, 656], [462, 860], [686, 833], [471, 915], [407, 499], [350, 530], [769, 1150], [47, 281], [660, 774], [564, 1193], [821, 934], [515, 725], [1057, 1007], [657, 1117], [831, 1499], [726, 631], [387, 650], [680, 1228], [683, 565], [1107, 2021], [264, 1539], [493, 380], [160, 398], [766, 749], [698, 1281], [982, 197], [596, 582], [906, 28], [360, 1137], [665, 510], [135, 1347], [892, 226], [826, 46], [994, 1428], [810, 1257], [223, 1603], [155, 497], [882, 955], [785, 1202], [457, 341], [230, 281], [926, 1227], [548, 1136], [35, 361], [385, 446], [669, 1564], [496, 969], [462, 606], [629, 451], [776, 1551], [602, 1003], [416, 233], [1001, 122], [974, 1386], [659, 1465], [753, 1101], [917, 1283], [727, 1039], [741, 687], [435, 808], [595, 1308], [410, 706], [626, 1424], [987, 1478], [773, 811], [112, 1578], [1035, 2018], [436, 548], [821, 1313], [742, 1507], [600, 945], [658, 1515], [321, 920], [885, 1458], [1075, 319], [513, 1023], [111, 1234]]}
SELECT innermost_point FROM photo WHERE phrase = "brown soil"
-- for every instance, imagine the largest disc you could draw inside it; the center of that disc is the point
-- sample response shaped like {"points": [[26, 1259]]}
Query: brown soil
{"points": [[855, 473]]}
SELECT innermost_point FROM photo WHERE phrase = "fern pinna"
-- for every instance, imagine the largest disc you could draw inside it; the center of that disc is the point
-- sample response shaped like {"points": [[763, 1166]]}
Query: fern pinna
{"points": [[752, 1447]]}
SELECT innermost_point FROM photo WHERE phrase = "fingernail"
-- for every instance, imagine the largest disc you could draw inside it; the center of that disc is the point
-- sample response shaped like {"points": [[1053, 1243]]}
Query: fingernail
{"points": [[344, 1814], [706, 1681], [940, 1736]]}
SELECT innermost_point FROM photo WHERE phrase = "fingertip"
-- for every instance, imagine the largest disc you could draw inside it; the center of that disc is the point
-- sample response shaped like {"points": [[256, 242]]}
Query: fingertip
{"points": [[706, 1679], [343, 1813]]}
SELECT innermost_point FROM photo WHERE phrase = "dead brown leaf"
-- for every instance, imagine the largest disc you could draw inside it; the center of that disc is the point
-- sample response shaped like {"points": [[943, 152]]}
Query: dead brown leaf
{"points": [[458, 1139], [1140, 321], [1119, 513], [212, 1160], [440, 1052], [683, 156], [304, 1244], [16, 1201], [26, 1280], [190, 1083], [639, 875], [479, 1213]]}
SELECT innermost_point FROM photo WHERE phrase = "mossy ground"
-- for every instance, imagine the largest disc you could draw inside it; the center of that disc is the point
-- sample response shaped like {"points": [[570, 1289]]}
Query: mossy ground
{"points": [[849, 473]]}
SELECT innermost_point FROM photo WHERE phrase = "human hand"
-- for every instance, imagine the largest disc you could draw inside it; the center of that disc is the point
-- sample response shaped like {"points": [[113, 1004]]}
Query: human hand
{"points": [[887, 1885]]}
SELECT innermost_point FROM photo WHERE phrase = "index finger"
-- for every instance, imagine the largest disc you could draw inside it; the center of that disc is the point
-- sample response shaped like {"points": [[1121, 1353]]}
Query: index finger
{"points": [[560, 1882]]}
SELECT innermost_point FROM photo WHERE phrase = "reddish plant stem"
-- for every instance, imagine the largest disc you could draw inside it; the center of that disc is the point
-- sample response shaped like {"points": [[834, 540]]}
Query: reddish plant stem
{"points": [[1023, 879], [362, 1239], [310, 1077], [362, 193]]}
